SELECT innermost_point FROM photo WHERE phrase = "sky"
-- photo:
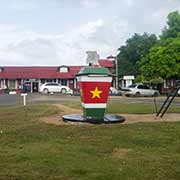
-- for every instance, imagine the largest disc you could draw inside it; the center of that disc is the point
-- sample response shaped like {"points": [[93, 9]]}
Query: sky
{"points": [[59, 32]]}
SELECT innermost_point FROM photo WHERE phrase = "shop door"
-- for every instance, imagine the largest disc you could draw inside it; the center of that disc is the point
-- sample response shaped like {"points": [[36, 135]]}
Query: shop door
{"points": [[35, 87]]}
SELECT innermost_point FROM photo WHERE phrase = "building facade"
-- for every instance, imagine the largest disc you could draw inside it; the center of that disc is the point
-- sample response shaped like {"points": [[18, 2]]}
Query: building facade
{"points": [[126, 81], [13, 78]]}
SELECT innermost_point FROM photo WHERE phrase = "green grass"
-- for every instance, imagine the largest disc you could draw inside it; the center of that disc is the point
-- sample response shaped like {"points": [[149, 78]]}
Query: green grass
{"points": [[137, 108], [31, 149], [128, 108]]}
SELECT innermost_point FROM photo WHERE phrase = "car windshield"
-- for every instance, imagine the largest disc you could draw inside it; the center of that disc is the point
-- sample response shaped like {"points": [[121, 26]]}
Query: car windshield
{"points": [[132, 86]]}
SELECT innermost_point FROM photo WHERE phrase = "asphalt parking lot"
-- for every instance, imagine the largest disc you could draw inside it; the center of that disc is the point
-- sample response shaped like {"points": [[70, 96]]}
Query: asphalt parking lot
{"points": [[17, 99]]}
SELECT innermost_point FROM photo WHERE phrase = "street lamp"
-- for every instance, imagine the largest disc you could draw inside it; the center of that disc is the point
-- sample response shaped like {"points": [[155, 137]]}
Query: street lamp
{"points": [[116, 70], [117, 79]]}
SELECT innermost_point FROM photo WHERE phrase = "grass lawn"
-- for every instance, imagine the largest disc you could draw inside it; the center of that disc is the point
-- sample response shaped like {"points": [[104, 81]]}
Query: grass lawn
{"points": [[129, 108], [30, 149]]}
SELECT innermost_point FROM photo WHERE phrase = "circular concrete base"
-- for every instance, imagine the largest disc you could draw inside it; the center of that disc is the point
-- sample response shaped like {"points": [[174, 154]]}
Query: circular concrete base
{"points": [[108, 118]]}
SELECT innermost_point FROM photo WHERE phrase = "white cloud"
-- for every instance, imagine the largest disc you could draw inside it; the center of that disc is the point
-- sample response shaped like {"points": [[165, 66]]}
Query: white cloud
{"points": [[20, 5], [100, 25], [20, 47], [129, 2], [89, 3]]}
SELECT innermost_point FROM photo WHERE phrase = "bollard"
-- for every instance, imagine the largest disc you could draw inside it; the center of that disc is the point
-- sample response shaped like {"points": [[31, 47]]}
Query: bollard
{"points": [[24, 98]]}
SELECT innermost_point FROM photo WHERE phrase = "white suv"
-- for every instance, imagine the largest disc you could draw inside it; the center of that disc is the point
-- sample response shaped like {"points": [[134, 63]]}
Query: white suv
{"points": [[55, 87], [140, 90]]}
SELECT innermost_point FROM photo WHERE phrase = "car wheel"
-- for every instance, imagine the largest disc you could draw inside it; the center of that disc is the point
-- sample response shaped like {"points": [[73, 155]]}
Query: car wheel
{"points": [[137, 94], [45, 91], [155, 94], [63, 90]]}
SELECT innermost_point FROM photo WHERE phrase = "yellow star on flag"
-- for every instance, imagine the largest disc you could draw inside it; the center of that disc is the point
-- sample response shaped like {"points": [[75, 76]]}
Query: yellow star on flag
{"points": [[96, 93]]}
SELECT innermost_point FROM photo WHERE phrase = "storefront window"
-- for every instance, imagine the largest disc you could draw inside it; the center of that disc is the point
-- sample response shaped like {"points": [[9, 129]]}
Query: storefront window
{"points": [[64, 82], [12, 84], [63, 69], [43, 81]]}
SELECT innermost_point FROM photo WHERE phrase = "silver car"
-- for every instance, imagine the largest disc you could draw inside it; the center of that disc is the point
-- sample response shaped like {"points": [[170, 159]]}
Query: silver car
{"points": [[140, 90], [114, 92], [55, 88]]}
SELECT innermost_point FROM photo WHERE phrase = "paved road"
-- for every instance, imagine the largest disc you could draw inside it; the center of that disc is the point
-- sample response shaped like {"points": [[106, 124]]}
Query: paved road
{"points": [[8, 100], [36, 98]]}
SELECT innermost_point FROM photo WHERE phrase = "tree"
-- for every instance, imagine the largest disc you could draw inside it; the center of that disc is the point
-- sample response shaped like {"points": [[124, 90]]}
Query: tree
{"points": [[136, 47], [163, 60], [173, 26]]}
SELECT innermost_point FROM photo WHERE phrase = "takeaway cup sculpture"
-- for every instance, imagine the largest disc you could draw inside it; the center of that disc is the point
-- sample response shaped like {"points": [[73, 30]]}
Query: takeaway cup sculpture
{"points": [[94, 84]]}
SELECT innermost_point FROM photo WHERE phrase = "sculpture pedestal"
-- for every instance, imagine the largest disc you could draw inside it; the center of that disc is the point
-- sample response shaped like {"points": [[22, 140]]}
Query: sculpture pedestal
{"points": [[108, 118]]}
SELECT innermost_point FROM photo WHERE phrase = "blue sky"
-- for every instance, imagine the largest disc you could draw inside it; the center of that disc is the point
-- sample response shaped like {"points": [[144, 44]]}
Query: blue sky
{"points": [[58, 32]]}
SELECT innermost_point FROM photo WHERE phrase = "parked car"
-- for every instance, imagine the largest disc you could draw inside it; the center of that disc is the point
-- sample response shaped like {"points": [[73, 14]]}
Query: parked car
{"points": [[55, 87], [76, 92], [114, 91], [140, 90]]}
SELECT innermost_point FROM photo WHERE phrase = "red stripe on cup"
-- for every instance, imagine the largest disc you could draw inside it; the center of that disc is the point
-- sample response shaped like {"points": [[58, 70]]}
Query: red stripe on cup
{"points": [[94, 92]]}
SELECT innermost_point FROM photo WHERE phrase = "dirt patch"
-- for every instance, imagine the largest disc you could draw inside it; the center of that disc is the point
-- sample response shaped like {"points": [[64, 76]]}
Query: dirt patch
{"points": [[67, 109], [130, 118], [57, 118], [120, 153]]}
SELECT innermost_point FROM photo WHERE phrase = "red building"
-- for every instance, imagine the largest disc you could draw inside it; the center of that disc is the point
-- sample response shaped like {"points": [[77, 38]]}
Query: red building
{"points": [[15, 77]]}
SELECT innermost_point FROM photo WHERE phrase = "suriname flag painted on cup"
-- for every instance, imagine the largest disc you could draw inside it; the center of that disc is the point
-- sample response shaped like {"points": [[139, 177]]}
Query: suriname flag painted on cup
{"points": [[94, 83]]}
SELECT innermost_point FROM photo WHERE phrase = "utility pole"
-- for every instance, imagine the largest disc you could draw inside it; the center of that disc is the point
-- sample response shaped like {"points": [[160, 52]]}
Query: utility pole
{"points": [[116, 70], [117, 79]]}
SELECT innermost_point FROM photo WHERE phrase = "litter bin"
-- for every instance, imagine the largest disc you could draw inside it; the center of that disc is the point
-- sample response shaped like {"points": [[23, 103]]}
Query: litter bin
{"points": [[94, 84]]}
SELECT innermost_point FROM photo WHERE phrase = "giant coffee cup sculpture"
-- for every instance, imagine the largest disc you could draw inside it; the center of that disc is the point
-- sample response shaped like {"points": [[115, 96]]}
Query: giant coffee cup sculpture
{"points": [[94, 83]]}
